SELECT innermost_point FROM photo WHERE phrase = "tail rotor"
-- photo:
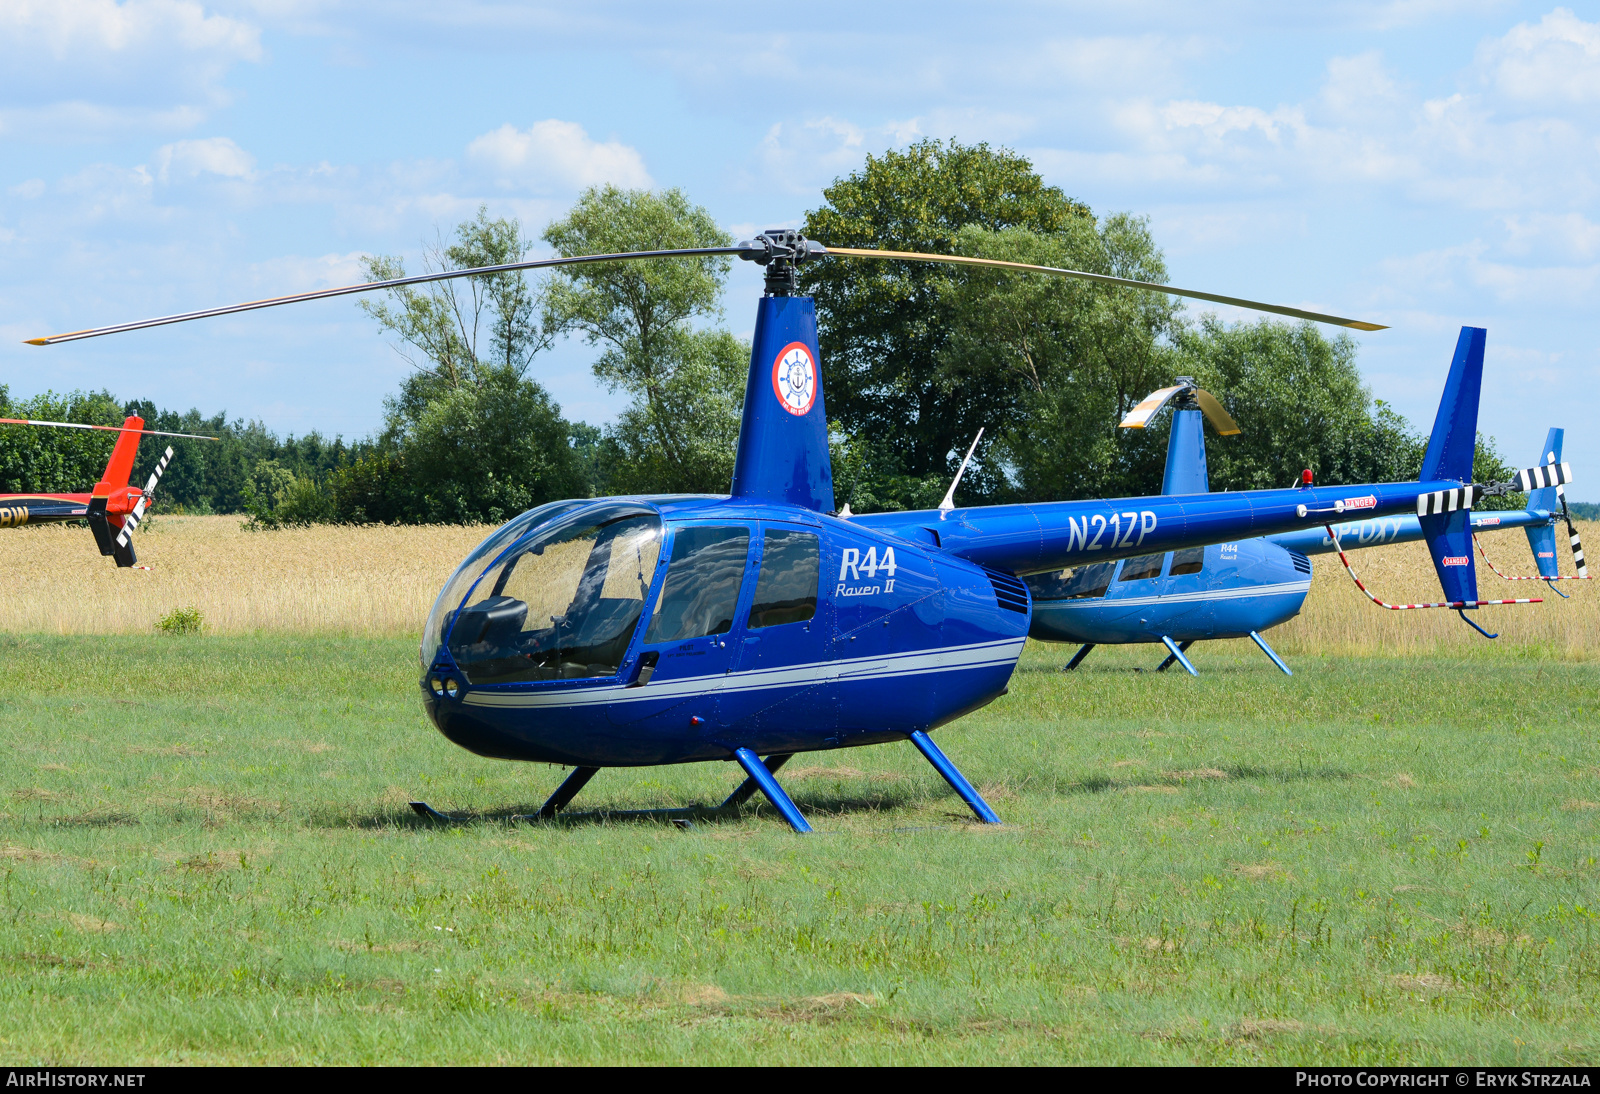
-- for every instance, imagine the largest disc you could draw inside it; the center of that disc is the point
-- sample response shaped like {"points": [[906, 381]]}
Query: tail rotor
{"points": [[130, 523]]}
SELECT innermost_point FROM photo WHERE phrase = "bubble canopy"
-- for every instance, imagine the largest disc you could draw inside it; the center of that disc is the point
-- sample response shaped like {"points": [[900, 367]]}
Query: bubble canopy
{"points": [[554, 595]]}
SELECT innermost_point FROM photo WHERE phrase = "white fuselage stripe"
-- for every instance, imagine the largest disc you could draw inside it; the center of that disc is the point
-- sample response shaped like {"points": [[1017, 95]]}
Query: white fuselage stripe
{"points": [[1281, 589], [912, 663]]}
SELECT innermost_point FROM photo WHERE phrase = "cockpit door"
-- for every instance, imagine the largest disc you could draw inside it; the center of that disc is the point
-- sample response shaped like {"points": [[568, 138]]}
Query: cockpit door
{"points": [[778, 688], [691, 637]]}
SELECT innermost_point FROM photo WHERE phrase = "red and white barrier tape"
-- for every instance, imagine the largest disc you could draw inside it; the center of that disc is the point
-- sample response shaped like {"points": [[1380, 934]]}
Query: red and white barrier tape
{"points": [[1456, 604], [1535, 577]]}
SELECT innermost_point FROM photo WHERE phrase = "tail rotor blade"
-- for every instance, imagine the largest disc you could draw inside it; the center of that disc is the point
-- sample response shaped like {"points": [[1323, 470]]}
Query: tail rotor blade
{"points": [[1577, 545], [131, 522]]}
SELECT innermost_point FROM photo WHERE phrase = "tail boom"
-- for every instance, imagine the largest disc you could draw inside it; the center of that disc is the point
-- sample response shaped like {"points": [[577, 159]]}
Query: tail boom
{"points": [[1036, 538]]}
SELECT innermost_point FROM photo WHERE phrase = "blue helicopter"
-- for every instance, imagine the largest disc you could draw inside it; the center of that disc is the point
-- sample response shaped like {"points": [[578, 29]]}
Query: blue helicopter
{"points": [[1225, 590], [638, 631]]}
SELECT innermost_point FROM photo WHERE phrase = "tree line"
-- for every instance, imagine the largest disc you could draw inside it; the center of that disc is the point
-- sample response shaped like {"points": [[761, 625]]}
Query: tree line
{"points": [[917, 357]]}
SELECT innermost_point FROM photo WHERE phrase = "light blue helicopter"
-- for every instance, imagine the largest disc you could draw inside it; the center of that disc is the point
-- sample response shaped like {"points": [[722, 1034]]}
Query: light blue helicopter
{"points": [[1239, 589]]}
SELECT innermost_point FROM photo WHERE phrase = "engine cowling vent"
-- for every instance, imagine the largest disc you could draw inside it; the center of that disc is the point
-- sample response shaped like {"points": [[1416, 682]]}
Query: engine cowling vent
{"points": [[1301, 562], [1009, 591]]}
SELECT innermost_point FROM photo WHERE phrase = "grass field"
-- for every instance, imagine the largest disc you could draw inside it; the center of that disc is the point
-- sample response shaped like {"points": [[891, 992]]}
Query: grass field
{"points": [[205, 855]]}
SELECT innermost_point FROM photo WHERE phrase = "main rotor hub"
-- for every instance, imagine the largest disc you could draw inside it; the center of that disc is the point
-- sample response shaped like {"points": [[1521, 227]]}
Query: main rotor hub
{"points": [[780, 250]]}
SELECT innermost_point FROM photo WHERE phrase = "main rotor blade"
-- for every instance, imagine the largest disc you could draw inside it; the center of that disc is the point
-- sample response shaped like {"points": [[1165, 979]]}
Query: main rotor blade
{"points": [[107, 428], [814, 250], [1219, 418], [1105, 279], [1140, 416], [372, 286]]}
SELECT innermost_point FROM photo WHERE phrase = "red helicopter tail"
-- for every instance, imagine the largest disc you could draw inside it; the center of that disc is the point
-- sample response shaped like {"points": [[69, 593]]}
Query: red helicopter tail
{"points": [[113, 499]]}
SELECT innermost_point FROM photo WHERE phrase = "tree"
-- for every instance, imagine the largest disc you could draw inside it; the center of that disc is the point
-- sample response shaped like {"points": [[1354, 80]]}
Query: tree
{"points": [[884, 326], [687, 384], [55, 460], [488, 451], [469, 435], [1054, 363], [444, 322]]}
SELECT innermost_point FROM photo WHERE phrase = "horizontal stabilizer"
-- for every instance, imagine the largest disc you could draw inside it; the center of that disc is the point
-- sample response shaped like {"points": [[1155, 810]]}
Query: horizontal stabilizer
{"points": [[1447, 501]]}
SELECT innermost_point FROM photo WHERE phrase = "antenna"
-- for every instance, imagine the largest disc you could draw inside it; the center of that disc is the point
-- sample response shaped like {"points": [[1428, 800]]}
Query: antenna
{"points": [[949, 501]]}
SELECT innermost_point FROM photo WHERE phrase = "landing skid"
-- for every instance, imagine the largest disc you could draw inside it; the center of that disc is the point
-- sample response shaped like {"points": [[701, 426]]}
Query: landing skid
{"points": [[761, 775], [1176, 650], [1266, 649], [958, 782], [758, 777], [748, 788], [1077, 658]]}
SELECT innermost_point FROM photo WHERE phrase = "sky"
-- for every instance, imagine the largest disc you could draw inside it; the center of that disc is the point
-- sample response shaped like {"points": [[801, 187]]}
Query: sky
{"points": [[1419, 163]]}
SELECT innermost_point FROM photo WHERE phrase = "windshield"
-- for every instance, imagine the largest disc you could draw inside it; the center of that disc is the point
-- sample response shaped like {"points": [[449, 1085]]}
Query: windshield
{"points": [[564, 604], [479, 560]]}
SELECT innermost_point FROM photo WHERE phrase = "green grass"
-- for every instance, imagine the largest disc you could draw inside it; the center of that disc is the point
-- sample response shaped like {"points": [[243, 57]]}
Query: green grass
{"points": [[205, 855]]}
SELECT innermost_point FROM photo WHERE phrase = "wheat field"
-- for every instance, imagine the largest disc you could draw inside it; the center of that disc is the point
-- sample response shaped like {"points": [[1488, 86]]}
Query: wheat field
{"points": [[370, 580], [381, 581], [1337, 619]]}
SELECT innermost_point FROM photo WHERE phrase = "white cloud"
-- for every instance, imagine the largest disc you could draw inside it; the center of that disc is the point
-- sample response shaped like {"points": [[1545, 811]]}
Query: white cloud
{"points": [[73, 67], [798, 158], [1469, 150], [30, 189], [1467, 271], [554, 154], [1217, 121], [214, 156], [299, 273], [1571, 235], [1555, 61]]}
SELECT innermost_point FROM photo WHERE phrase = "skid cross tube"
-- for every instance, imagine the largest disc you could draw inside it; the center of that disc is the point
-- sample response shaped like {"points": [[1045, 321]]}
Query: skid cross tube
{"points": [[1266, 649], [1077, 658], [759, 774], [750, 786], [1177, 655], [958, 782], [567, 791]]}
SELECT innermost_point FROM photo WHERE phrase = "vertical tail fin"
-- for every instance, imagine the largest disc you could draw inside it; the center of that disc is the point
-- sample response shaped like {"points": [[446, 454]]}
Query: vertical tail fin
{"points": [[118, 470], [120, 467], [1455, 428], [1542, 537], [1451, 447]]}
